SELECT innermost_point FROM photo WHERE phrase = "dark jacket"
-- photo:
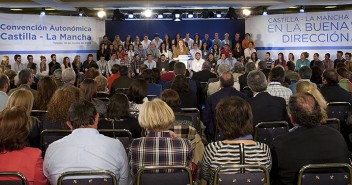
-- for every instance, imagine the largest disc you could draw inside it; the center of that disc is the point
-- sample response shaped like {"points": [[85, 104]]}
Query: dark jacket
{"points": [[203, 76], [121, 82], [334, 93]]}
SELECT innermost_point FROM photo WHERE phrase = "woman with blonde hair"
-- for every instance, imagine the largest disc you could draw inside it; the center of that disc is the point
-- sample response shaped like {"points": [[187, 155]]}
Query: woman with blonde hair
{"points": [[6, 62], [25, 98], [311, 89]]}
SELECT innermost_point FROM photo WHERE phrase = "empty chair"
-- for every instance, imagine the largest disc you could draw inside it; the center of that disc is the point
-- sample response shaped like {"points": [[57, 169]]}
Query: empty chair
{"points": [[223, 175], [265, 132], [325, 174], [333, 123], [17, 178], [185, 119], [180, 175], [339, 110], [49, 136], [124, 136], [100, 177]]}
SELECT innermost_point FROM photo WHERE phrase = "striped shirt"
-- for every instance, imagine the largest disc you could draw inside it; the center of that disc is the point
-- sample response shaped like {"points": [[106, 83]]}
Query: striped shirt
{"points": [[159, 149], [276, 89], [220, 153]]}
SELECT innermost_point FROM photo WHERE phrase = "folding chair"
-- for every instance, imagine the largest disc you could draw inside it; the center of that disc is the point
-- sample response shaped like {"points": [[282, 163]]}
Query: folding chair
{"points": [[180, 175], [325, 174], [185, 119], [333, 123], [194, 112], [124, 136], [17, 178], [106, 100], [49, 136], [339, 110], [265, 132], [98, 177], [225, 175]]}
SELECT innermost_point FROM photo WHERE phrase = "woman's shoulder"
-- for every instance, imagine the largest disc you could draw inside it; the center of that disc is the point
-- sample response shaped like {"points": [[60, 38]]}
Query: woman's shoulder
{"points": [[31, 152]]}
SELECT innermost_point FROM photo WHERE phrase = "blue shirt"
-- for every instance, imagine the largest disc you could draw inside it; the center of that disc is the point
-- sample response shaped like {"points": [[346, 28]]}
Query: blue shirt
{"points": [[86, 149]]}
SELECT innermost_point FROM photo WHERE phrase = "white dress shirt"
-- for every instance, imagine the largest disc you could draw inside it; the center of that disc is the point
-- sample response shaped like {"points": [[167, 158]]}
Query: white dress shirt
{"points": [[151, 64], [196, 65], [194, 51], [146, 44], [86, 149], [248, 52]]}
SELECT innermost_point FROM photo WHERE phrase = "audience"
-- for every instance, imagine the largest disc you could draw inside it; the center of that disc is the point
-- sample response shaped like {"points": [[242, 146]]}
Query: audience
{"points": [[115, 74], [123, 81], [172, 99], [137, 94], [69, 76], [308, 143], [343, 78], [237, 133], [46, 89], [15, 155], [214, 87], [4, 87], [89, 89], [276, 78], [250, 66], [305, 73], [290, 73], [153, 87], [102, 89], [331, 90], [187, 96], [57, 75], [25, 77], [85, 148], [205, 74]]}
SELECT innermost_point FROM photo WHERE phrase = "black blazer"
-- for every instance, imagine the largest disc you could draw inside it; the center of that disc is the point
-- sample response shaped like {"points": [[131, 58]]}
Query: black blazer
{"points": [[203, 76], [268, 108], [243, 81], [303, 146], [335, 93]]}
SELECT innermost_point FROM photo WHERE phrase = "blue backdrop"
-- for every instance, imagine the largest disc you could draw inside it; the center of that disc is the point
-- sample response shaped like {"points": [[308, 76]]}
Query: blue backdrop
{"points": [[139, 27]]}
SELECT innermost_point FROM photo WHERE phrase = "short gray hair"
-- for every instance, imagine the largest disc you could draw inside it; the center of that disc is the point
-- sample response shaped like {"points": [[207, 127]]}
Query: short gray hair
{"points": [[57, 74], [223, 68], [68, 74], [206, 65], [238, 68], [250, 66], [256, 81]]}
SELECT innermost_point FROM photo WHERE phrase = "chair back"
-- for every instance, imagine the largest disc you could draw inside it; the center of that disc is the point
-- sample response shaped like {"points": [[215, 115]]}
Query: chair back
{"points": [[49, 136], [17, 178], [225, 175], [180, 176], [265, 132], [333, 123], [325, 174], [124, 136], [99, 177], [339, 110], [122, 90], [106, 100], [151, 97], [194, 112], [38, 113], [185, 119]]}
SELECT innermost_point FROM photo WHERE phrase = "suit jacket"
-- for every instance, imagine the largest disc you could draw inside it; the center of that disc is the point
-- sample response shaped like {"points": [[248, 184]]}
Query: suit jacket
{"points": [[268, 108], [334, 93], [212, 101], [302, 146], [28, 161], [121, 82], [243, 81], [24, 86], [203, 76]]}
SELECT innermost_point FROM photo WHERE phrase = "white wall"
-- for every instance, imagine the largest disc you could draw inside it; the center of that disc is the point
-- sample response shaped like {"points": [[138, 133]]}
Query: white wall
{"points": [[320, 32], [44, 35]]}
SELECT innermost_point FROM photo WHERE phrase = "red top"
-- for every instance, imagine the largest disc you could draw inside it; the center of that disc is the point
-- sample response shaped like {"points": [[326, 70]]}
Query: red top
{"points": [[112, 78], [169, 76], [226, 52], [27, 161]]}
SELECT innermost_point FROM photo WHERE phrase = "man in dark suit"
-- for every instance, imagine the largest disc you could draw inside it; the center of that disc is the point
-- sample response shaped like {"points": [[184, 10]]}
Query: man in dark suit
{"points": [[205, 74], [307, 143], [123, 81], [264, 106], [227, 90], [250, 66], [331, 90]]}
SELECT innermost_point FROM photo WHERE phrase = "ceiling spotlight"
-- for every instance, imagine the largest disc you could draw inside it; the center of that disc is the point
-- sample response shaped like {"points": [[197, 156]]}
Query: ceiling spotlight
{"points": [[160, 16], [246, 12], [130, 15], [265, 12], [42, 12], [80, 12], [177, 15], [190, 14], [301, 10], [101, 14], [148, 13], [218, 14]]}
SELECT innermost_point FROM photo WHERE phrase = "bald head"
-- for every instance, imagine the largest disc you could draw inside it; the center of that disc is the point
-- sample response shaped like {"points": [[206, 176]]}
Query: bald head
{"points": [[226, 80]]}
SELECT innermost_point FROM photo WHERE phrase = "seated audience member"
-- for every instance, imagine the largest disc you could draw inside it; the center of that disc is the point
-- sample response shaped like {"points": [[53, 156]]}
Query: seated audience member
{"points": [[303, 61], [317, 73], [237, 132], [58, 106], [214, 87], [25, 80], [115, 74], [153, 88], [315, 59], [11, 74], [238, 70], [250, 66], [150, 62], [226, 90], [328, 63], [157, 117], [169, 75], [4, 87], [290, 73], [305, 73], [118, 111], [137, 94], [85, 149], [102, 89], [343, 77], [87, 64], [223, 60], [268, 60], [163, 63], [46, 89], [187, 95], [89, 89], [24, 98], [249, 50], [205, 74], [280, 61], [197, 63], [262, 66], [195, 50], [276, 78], [91, 73], [53, 65], [172, 99], [180, 69], [308, 143], [339, 58], [57, 75], [307, 87], [331, 90], [265, 107], [43, 68], [14, 153], [123, 81], [69, 76]]}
